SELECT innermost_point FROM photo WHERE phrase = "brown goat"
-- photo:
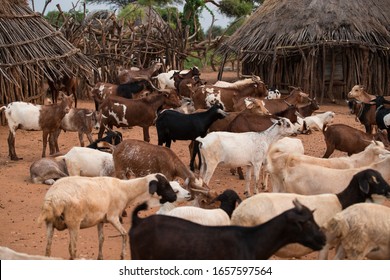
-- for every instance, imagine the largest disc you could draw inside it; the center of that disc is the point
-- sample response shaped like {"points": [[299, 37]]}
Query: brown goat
{"points": [[128, 76], [122, 112], [296, 97], [27, 116], [67, 84], [136, 158], [131, 91], [348, 139], [206, 96]]}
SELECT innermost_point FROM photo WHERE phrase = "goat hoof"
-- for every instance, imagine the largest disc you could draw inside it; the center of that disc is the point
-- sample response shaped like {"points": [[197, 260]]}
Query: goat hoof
{"points": [[247, 194], [16, 158], [124, 214]]}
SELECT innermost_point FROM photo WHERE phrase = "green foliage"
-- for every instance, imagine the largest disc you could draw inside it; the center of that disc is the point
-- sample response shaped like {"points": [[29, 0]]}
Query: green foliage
{"points": [[236, 8], [216, 30], [169, 15], [54, 18], [130, 13], [117, 3]]}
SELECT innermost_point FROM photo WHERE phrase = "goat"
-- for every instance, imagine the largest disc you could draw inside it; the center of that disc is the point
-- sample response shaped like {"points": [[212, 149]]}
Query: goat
{"points": [[66, 84], [81, 120], [221, 148], [138, 158], [245, 122], [362, 230], [296, 97], [165, 80], [47, 170], [273, 93], [112, 137], [82, 161], [27, 116], [348, 139], [365, 114], [121, 112], [279, 160], [172, 125], [317, 122], [206, 96], [208, 217], [308, 109], [9, 254], [199, 242], [252, 106], [132, 90], [359, 93], [260, 208], [127, 76], [306, 178], [178, 76], [81, 202], [382, 115]]}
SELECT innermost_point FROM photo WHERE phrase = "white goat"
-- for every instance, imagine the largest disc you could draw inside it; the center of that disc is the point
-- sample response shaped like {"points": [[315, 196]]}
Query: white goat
{"points": [[165, 80], [28, 116], [362, 230], [282, 146], [317, 122], [240, 149], [81, 202], [309, 179], [262, 207], [82, 161], [273, 93], [208, 217], [278, 161], [9, 254]]}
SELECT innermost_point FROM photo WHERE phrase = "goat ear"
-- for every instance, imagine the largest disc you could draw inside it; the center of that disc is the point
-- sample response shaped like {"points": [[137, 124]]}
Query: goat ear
{"points": [[364, 186], [153, 186]]}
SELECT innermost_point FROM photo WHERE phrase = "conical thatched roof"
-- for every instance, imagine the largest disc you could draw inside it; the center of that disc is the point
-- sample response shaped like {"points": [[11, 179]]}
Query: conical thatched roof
{"points": [[30, 50], [290, 24]]}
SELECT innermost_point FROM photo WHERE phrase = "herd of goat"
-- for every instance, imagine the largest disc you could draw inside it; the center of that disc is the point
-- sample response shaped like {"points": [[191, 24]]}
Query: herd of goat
{"points": [[301, 203]]}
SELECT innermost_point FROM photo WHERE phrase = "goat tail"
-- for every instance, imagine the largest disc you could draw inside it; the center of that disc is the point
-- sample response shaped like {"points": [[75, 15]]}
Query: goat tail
{"points": [[335, 229], [324, 127], [135, 219]]}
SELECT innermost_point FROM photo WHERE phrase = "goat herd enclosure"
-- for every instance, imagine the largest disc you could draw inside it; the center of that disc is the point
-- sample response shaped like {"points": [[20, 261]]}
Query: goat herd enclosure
{"points": [[20, 200]]}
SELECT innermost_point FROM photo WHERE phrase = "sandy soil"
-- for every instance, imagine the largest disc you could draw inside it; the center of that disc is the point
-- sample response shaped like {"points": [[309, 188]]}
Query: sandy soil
{"points": [[20, 200]]}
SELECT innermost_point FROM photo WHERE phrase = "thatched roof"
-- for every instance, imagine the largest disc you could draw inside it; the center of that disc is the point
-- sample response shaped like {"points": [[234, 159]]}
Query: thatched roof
{"points": [[30, 48], [288, 25]]}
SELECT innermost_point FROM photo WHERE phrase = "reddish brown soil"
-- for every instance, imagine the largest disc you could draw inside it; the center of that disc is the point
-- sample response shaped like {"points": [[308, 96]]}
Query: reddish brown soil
{"points": [[20, 200]]}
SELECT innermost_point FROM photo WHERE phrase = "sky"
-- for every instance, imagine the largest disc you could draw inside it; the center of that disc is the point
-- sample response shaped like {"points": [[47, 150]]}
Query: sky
{"points": [[66, 5]]}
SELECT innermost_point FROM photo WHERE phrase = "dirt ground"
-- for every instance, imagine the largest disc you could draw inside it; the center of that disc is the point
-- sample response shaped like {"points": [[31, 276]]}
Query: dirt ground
{"points": [[20, 200]]}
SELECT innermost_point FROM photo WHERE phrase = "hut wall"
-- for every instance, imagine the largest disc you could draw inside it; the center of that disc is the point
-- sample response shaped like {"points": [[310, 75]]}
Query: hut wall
{"points": [[326, 72]]}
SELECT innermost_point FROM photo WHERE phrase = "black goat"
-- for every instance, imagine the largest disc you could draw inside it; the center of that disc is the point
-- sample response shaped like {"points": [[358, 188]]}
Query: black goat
{"points": [[151, 237], [129, 89], [382, 115], [112, 137], [172, 125]]}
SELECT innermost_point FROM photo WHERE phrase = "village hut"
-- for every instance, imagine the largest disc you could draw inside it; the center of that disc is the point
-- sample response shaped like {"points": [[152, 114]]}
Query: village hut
{"points": [[32, 51], [324, 47]]}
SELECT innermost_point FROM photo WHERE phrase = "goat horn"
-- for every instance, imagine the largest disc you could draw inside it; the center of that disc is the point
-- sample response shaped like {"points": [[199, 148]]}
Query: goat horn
{"points": [[200, 191]]}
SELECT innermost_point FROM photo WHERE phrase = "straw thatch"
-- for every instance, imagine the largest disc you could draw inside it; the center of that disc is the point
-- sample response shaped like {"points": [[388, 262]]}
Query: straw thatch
{"points": [[31, 51], [322, 46]]}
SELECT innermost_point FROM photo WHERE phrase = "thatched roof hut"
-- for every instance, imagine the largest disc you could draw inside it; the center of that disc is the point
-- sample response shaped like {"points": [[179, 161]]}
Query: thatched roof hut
{"points": [[30, 51], [325, 47]]}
